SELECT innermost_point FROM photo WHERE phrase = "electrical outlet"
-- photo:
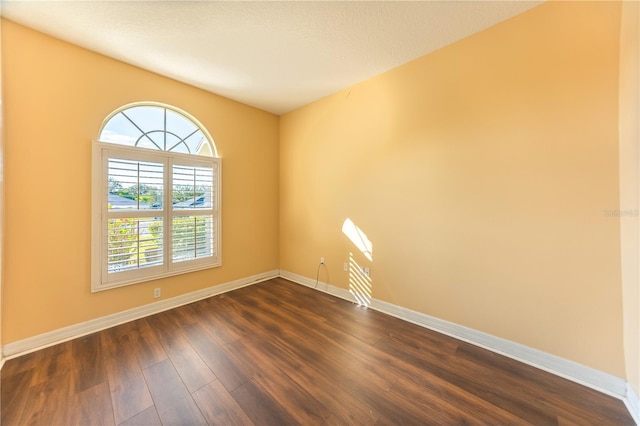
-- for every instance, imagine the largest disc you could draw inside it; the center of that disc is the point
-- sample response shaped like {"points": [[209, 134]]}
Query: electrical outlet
{"points": [[322, 260], [345, 266], [156, 293], [367, 272]]}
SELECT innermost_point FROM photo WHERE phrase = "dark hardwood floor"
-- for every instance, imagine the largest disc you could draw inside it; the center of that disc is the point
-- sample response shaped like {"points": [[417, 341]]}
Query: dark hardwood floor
{"points": [[278, 353]]}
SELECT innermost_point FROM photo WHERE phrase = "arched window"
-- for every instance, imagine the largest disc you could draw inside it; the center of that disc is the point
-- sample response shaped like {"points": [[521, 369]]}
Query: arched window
{"points": [[156, 196], [159, 127]]}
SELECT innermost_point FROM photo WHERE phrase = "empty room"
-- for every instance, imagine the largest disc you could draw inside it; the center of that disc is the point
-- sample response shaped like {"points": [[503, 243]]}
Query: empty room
{"points": [[319, 212]]}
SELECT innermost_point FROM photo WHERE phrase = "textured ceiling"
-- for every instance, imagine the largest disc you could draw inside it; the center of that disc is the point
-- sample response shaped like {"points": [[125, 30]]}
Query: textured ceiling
{"points": [[276, 56]]}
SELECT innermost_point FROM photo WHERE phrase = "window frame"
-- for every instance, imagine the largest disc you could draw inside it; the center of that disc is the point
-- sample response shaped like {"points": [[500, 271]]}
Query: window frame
{"points": [[101, 152]]}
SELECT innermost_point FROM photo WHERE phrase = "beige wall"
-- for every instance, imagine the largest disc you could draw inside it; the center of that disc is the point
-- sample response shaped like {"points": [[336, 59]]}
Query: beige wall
{"points": [[629, 188], [56, 96], [483, 174]]}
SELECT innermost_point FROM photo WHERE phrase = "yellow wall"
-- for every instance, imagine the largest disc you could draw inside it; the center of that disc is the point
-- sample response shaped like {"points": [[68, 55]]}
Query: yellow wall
{"points": [[483, 174], [629, 186], [57, 95]]}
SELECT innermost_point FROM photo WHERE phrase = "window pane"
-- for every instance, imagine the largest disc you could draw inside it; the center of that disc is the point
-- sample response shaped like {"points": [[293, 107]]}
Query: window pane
{"points": [[148, 118], [134, 243], [120, 130], [175, 144], [198, 144], [192, 237], [180, 125], [153, 140], [180, 147], [192, 187], [135, 185]]}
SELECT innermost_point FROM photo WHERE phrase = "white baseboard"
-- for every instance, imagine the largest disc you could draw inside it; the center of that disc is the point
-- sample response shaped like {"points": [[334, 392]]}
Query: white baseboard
{"points": [[21, 347], [633, 404], [587, 376]]}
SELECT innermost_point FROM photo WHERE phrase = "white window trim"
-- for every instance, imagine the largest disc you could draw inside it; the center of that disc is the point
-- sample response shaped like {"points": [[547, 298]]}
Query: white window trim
{"points": [[100, 152]]}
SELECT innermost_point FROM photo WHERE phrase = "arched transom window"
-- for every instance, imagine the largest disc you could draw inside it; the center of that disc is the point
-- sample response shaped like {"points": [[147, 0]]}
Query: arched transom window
{"points": [[157, 127], [156, 196]]}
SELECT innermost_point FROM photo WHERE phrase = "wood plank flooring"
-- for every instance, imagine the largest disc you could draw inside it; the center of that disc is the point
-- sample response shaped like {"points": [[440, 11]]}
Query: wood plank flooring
{"points": [[277, 353]]}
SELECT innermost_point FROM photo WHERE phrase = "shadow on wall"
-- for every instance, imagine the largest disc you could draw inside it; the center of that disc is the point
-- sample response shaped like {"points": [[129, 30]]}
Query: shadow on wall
{"points": [[360, 283]]}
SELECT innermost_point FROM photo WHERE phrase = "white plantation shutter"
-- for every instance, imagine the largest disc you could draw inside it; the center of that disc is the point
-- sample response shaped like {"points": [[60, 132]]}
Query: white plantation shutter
{"points": [[134, 229], [157, 193], [131, 243], [194, 234], [192, 237], [144, 177]]}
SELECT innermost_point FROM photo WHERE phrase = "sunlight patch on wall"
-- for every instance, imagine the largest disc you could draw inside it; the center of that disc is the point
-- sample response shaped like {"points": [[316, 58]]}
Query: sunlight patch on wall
{"points": [[359, 283], [358, 238]]}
